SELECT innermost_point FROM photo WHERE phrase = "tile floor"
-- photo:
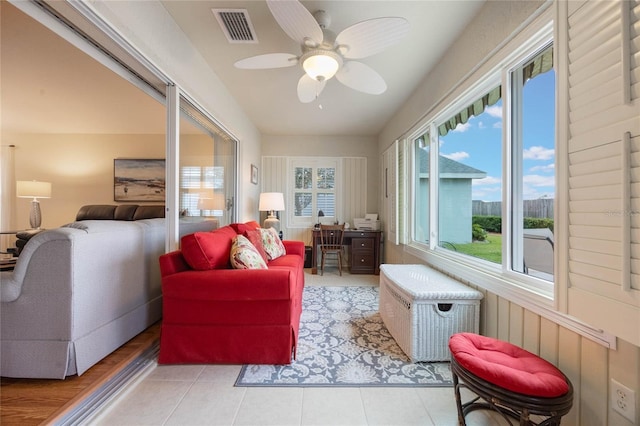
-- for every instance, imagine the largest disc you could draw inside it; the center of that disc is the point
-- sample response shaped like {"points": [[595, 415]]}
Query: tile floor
{"points": [[205, 395]]}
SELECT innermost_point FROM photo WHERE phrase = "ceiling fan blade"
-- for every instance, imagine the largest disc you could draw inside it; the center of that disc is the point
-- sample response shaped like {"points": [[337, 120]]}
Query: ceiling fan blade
{"points": [[269, 60], [309, 89], [296, 20], [362, 78], [369, 37]]}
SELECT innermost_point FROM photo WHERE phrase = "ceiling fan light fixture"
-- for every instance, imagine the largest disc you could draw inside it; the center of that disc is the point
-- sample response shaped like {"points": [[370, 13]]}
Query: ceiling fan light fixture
{"points": [[321, 65]]}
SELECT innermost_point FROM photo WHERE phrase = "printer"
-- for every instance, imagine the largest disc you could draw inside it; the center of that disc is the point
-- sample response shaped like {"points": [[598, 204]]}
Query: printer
{"points": [[368, 223]]}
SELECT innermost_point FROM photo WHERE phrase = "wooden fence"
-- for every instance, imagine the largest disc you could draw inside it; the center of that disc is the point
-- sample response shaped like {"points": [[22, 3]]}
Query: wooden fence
{"points": [[541, 208]]}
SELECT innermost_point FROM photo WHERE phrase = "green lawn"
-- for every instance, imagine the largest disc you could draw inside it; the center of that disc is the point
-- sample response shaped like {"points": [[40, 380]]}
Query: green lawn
{"points": [[490, 250]]}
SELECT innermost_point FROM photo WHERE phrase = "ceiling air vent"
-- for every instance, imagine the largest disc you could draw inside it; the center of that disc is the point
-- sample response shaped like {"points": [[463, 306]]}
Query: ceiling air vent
{"points": [[236, 25]]}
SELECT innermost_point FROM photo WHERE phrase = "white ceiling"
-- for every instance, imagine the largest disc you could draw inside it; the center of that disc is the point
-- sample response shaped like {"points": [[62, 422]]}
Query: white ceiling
{"points": [[44, 77], [269, 96]]}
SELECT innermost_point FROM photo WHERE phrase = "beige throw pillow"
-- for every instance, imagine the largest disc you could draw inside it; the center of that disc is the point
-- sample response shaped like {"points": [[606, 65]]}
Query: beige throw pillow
{"points": [[272, 244], [244, 255]]}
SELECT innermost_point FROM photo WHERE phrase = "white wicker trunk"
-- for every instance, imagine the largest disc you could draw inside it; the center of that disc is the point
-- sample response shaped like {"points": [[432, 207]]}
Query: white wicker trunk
{"points": [[422, 308]]}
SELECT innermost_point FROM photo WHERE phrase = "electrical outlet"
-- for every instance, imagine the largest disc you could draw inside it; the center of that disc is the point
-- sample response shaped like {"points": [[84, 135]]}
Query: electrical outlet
{"points": [[623, 400]]}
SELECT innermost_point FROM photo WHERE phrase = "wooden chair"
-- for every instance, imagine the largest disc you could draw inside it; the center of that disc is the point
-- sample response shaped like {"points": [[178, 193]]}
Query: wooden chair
{"points": [[331, 244]]}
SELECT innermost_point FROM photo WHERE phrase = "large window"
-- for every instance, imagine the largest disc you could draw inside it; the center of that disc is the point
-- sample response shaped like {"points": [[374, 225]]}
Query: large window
{"points": [[533, 165], [207, 168], [314, 191], [470, 178], [421, 185], [199, 186], [483, 174]]}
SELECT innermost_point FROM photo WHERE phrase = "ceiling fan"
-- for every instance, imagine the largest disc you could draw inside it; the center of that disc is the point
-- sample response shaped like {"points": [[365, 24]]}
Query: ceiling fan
{"points": [[324, 54]]}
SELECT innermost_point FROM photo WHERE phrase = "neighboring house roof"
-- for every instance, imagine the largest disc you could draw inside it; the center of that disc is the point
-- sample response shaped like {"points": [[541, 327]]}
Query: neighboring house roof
{"points": [[449, 168]]}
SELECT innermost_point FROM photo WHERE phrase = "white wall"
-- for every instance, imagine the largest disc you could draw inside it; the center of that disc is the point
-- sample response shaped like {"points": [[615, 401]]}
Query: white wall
{"points": [[148, 26]]}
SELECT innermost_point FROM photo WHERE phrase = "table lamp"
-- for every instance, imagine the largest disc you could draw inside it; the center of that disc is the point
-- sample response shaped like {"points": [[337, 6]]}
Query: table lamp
{"points": [[34, 189], [271, 202]]}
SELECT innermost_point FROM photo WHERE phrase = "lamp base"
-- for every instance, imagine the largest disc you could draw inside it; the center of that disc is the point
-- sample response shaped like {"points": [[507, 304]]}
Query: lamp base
{"points": [[35, 217], [272, 222]]}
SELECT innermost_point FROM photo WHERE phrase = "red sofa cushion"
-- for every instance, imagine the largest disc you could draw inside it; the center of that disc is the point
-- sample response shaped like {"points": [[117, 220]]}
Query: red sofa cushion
{"points": [[241, 228], [208, 250], [507, 365], [255, 237]]}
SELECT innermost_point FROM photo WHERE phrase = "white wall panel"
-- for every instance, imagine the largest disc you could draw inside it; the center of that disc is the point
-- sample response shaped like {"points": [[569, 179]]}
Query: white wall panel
{"points": [[355, 193], [274, 178], [634, 48], [599, 187]]}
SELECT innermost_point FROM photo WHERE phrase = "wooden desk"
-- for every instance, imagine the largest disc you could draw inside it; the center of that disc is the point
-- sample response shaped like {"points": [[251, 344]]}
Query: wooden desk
{"points": [[366, 247]]}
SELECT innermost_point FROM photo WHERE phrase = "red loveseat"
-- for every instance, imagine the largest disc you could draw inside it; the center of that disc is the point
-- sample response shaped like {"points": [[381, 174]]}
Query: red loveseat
{"points": [[217, 314]]}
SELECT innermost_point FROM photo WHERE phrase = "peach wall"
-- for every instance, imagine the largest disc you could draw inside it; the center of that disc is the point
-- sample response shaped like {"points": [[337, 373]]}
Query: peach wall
{"points": [[80, 168]]}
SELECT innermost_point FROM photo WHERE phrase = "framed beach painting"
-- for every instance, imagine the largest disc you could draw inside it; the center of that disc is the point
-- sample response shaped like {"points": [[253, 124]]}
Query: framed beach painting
{"points": [[136, 179]]}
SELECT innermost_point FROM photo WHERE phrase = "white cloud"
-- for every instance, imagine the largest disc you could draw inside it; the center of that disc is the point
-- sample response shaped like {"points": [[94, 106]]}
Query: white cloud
{"points": [[489, 180], [537, 180], [497, 125], [487, 194], [481, 125], [538, 153], [462, 127], [546, 168], [529, 193], [494, 111], [487, 189], [457, 156]]}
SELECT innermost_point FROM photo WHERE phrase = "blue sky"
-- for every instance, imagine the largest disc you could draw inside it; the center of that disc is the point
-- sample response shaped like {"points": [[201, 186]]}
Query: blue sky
{"points": [[478, 143]]}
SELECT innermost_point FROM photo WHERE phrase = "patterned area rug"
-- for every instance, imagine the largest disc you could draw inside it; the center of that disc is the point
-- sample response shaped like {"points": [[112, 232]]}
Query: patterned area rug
{"points": [[344, 342]]}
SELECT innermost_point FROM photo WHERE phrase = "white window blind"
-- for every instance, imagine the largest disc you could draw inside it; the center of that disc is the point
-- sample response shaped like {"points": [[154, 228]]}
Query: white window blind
{"points": [[314, 184], [604, 278], [197, 182], [634, 54]]}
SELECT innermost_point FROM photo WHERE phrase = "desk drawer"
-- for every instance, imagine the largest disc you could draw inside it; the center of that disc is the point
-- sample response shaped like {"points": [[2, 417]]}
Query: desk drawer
{"points": [[362, 244], [362, 263]]}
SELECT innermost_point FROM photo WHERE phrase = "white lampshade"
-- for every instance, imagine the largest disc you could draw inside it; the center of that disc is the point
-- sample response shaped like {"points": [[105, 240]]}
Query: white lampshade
{"points": [[321, 66], [33, 189], [271, 201]]}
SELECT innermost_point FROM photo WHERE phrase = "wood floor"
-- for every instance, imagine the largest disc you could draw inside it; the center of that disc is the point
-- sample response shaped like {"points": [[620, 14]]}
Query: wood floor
{"points": [[35, 401]]}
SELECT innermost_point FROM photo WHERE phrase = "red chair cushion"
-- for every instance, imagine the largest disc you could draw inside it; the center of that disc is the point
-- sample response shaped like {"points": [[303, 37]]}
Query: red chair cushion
{"points": [[507, 366], [208, 250]]}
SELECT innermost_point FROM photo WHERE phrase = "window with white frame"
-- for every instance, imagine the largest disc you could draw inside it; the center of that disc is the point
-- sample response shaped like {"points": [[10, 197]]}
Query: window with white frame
{"points": [[483, 172], [532, 142], [314, 191], [198, 185]]}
